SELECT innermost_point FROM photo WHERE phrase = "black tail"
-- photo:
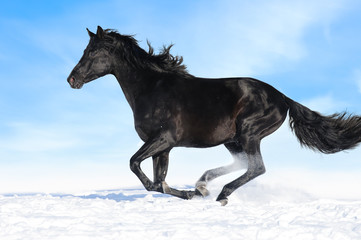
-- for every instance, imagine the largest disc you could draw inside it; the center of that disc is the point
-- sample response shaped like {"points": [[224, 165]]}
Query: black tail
{"points": [[327, 134]]}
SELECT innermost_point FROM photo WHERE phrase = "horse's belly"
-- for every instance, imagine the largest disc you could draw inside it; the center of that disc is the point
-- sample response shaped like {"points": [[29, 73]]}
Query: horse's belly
{"points": [[208, 134]]}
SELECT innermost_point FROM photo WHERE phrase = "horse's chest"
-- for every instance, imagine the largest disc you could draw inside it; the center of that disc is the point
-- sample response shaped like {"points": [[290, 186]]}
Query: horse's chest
{"points": [[151, 120]]}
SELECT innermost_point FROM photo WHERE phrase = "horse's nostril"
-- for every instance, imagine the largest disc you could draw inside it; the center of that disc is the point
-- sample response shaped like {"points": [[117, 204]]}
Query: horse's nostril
{"points": [[71, 80]]}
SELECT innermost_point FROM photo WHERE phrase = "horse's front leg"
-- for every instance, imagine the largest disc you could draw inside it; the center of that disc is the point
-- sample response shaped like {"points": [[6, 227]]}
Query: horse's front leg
{"points": [[152, 147], [160, 169], [158, 148]]}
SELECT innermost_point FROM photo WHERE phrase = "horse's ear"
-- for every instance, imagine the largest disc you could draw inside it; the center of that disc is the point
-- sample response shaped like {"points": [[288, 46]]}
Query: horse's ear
{"points": [[100, 32], [90, 33]]}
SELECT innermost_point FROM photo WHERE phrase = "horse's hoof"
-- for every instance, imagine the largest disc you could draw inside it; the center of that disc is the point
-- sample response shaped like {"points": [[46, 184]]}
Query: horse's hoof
{"points": [[223, 201], [188, 195], [166, 188], [201, 189]]}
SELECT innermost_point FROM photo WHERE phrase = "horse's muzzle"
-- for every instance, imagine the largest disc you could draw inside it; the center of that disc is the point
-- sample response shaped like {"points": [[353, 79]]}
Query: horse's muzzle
{"points": [[74, 83]]}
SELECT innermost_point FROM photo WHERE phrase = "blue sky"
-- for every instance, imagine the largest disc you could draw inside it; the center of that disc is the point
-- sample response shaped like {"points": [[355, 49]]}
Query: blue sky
{"points": [[54, 138]]}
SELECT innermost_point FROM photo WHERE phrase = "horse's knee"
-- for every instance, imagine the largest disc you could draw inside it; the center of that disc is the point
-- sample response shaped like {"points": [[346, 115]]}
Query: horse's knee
{"points": [[134, 165]]}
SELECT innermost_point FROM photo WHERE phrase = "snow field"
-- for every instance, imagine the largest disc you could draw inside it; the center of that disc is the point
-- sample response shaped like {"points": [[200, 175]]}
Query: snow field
{"points": [[138, 214]]}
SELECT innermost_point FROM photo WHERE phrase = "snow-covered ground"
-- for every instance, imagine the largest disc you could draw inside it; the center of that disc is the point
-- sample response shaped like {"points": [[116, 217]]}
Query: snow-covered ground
{"points": [[256, 211]]}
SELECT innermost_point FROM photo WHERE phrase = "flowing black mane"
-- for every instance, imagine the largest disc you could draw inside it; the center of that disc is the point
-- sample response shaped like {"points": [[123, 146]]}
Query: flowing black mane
{"points": [[137, 57]]}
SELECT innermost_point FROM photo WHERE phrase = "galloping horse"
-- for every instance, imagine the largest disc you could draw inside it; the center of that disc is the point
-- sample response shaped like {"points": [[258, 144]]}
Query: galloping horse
{"points": [[173, 108]]}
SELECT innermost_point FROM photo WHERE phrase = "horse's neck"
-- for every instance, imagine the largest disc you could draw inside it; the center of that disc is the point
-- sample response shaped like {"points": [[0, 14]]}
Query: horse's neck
{"points": [[132, 83]]}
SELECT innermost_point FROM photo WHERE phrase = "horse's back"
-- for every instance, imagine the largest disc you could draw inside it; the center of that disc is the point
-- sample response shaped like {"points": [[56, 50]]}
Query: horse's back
{"points": [[215, 111]]}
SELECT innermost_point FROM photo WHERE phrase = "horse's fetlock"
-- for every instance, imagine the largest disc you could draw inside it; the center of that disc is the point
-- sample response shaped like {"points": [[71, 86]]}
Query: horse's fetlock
{"points": [[165, 188], [157, 185], [149, 186], [189, 195]]}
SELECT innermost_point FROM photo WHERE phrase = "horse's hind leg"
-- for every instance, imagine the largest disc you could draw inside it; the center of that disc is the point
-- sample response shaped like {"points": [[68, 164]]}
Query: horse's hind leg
{"points": [[240, 162], [255, 168]]}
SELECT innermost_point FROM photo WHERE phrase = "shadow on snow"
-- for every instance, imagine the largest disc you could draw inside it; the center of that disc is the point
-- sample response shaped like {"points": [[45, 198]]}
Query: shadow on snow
{"points": [[117, 195]]}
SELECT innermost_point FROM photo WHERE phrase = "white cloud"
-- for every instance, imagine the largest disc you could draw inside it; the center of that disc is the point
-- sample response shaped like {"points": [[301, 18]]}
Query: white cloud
{"points": [[326, 104], [217, 39], [357, 78], [249, 38], [65, 155], [29, 138]]}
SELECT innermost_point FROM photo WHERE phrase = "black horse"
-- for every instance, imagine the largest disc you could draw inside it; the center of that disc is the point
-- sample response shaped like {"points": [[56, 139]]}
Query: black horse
{"points": [[173, 108]]}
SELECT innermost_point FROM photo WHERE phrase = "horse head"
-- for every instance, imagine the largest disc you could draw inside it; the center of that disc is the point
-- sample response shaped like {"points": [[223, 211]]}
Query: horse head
{"points": [[95, 62]]}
